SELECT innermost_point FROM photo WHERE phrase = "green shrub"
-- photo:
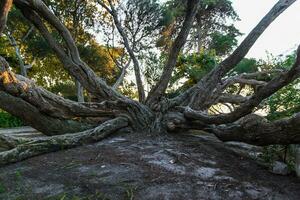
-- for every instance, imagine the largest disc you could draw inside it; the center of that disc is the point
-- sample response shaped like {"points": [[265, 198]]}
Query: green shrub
{"points": [[8, 121], [283, 153]]}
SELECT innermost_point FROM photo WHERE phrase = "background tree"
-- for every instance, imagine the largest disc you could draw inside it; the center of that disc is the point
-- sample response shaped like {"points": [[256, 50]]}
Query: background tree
{"points": [[79, 16]]}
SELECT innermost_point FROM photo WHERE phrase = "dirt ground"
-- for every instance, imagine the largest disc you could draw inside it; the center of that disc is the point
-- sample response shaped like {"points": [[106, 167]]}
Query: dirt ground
{"points": [[142, 167]]}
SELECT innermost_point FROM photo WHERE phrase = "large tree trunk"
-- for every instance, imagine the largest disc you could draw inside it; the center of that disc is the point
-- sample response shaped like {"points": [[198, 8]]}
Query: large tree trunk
{"points": [[70, 124]]}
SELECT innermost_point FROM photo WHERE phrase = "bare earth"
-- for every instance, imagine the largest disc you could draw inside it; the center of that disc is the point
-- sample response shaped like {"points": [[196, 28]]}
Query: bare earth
{"points": [[146, 167]]}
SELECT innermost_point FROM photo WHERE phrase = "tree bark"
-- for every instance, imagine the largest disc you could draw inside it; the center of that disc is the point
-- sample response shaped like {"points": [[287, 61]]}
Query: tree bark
{"points": [[80, 92], [159, 89], [18, 54], [36, 147], [5, 6], [256, 130], [74, 123]]}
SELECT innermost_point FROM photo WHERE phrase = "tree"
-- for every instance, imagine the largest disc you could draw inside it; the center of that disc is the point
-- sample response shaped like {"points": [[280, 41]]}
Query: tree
{"points": [[46, 69], [212, 28], [69, 124]]}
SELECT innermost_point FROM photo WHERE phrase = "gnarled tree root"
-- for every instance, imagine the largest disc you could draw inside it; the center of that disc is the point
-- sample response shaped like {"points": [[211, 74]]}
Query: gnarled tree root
{"points": [[26, 148]]}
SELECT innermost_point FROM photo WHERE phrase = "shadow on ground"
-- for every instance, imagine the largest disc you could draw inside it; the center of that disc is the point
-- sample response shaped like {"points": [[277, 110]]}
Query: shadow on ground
{"points": [[143, 167]]}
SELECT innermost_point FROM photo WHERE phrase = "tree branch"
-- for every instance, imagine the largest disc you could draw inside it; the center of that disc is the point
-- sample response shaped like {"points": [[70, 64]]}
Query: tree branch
{"points": [[5, 6], [13, 43], [205, 88], [136, 65], [50, 144], [71, 60], [270, 88], [161, 86], [122, 75], [256, 130]]}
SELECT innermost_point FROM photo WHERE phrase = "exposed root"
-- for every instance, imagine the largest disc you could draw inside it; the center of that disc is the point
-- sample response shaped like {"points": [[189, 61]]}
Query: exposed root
{"points": [[23, 149]]}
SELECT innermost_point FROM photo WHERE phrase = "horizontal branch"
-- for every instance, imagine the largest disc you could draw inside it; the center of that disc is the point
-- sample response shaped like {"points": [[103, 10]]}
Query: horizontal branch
{"points": [[256, 130], [270, 88], [232, 98], [50, 144], [33, 117]]}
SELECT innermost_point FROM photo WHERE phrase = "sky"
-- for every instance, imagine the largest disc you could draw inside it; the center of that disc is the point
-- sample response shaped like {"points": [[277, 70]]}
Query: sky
{"points": [[281, 37]]}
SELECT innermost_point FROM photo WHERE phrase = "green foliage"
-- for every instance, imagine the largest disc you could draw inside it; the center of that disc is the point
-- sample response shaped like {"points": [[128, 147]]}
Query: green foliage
{"points": [[79, 17], [66, 89], [283, 103], [247, 65], [212, 30], [153, 67], [195, 66], [286, 101], [281, 153], [8, 121], [224, 42], [191, 68]]}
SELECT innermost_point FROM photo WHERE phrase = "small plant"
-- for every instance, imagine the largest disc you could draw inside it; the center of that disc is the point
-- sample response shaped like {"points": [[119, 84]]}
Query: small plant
{"points": [[2, 188], [8, 121], [18, 175], [284, 153]]}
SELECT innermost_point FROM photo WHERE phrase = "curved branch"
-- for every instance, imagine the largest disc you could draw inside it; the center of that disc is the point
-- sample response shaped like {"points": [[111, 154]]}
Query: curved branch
{"points": [[205, 88], [50, 144], [270, 88], [256, 130], [43, 110], [32, 10]]}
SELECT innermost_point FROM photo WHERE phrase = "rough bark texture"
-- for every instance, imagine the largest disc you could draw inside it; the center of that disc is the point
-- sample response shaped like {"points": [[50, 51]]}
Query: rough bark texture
{"points": [[44, 145], [74, 123], [159, 89], [5, 6]]}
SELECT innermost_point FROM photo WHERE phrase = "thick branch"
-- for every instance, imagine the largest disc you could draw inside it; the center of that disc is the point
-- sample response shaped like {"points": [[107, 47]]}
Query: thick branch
{"points": [[256, 130], [71, 58], [55, 143], [205, 88], [270, 88], [231, 98], [33, 117], [161, 86]]}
